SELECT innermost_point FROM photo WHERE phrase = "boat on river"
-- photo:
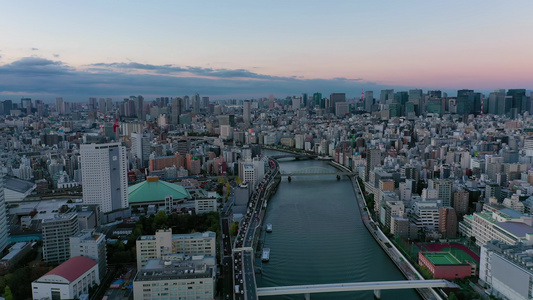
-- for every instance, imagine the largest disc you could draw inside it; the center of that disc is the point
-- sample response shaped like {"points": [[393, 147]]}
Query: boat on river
{"points": [[269, 228], [266, 255]]}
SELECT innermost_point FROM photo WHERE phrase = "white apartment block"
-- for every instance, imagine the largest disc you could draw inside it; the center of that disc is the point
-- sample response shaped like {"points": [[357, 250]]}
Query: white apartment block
{"points": [[92, 245], [104, 169], [425, 214], [165, 243], [173, 277], [498, 223], [56, 236]]}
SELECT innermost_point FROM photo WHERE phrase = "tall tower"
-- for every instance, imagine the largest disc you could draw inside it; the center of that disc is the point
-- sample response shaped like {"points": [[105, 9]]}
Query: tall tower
{"points": [[246, 114], [373, 158], [176, 110], [104, 171]]}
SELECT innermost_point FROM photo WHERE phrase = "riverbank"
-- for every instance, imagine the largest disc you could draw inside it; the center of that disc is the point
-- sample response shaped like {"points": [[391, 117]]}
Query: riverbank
{"points": [[403, 264]]}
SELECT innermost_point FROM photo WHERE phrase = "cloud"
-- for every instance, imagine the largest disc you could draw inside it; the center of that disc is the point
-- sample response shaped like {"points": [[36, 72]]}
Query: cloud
{"points": [[34, 49], [45, 78]]}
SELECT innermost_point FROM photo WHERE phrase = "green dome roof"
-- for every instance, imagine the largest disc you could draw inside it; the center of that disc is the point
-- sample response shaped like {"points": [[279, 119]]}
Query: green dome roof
{"points": [[153, 190]]}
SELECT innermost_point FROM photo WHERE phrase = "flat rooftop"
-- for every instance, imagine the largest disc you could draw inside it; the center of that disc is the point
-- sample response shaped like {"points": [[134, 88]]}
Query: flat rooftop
{"points": [[197, 267]]}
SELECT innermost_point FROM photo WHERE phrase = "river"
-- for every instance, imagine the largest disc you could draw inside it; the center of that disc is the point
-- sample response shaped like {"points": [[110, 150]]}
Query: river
{"points": [[318, 237]]}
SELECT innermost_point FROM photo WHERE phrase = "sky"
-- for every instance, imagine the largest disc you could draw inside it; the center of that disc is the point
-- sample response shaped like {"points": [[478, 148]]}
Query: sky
{"points": [[250, 49]]}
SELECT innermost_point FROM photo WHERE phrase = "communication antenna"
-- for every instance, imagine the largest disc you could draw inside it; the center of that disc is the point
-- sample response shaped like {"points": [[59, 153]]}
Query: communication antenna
{"points": [[362, 95]]}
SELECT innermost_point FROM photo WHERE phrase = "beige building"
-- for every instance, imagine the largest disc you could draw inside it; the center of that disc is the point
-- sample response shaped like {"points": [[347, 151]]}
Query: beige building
{"points": [[165, 243]]}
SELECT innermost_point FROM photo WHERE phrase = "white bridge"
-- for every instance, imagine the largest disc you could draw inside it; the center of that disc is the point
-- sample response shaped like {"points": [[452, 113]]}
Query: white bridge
{"points": [[376, 286]]}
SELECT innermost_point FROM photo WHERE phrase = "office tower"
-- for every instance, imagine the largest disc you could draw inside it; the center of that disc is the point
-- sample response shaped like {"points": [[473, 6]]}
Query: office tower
{"points": [[386, 96], [105, 176], [92, 104], [519, 100], [444, 189], [495, 98], [25, 103], [59, 106], [177, 104], [460, 202], [196, 103], [101, 105], [90, 244], [140, 148], [305, 100], [435, 94], [140, 108], [447, 222], [334, 99], [205, 102], [369, 100], [464, 102], [226, 120], [415, 97], [109, 104], [4, 229], [246, 114], [56, 236], [373, 159], [475, 102], [7, 106], [317, 97]]}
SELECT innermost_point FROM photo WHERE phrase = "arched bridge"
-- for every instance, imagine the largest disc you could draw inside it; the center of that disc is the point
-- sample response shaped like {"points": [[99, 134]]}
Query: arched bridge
{"points": [[313, 171], [293, 155]]}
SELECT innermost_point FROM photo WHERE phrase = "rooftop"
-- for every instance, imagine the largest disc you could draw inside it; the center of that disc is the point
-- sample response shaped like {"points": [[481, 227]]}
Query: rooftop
{"points": [[72, 269], [518, 229], [18, 185], [155, 190], [195, 267]]}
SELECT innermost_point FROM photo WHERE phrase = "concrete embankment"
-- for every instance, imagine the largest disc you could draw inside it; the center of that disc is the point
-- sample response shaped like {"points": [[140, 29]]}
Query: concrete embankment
{"points": [[403, 264]]}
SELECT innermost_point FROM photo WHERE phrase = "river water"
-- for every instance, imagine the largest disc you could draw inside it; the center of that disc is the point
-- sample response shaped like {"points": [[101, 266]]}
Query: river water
{"points": [[318, 237]]}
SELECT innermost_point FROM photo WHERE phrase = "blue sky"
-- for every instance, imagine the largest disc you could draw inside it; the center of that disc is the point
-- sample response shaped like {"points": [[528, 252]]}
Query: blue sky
{"points": [[238, 49]]}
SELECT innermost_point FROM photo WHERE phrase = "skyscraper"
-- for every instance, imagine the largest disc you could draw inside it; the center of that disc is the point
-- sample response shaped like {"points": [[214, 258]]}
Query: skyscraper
{"points": [[369, 100], [334, 98], [317, 97], [386, 96], [140, 148], [177, 104], [105, 176], [246, 114]]}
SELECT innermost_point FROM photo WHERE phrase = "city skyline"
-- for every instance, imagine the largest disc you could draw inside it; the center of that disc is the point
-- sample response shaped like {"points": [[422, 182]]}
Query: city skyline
{"points": [[243, 50]]}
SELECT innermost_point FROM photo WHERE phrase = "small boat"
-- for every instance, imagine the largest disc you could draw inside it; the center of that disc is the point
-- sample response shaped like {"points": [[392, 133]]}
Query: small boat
{"points": [[269, 227], [266, 255]]}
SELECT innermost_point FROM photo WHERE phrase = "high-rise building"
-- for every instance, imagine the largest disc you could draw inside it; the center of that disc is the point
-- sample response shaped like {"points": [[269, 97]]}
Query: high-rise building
{"points": [[59, 106], [334, 99], [92, 245], [386, 96], [196, 103], [4, 229], [176, 110], [460, 202], [246, 113], [447, 222], [369, 100], [444, 189], [92, 104], [464, 102], [373, 159], [105, 176], [415, 97], [56, 236], [140, 148], [317, 97]]}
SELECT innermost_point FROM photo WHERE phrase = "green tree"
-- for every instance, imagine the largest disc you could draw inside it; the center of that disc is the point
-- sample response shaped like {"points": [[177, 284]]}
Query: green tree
{"points": [[160, 220], [452, 296], [234, 228], [8, 295]]}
